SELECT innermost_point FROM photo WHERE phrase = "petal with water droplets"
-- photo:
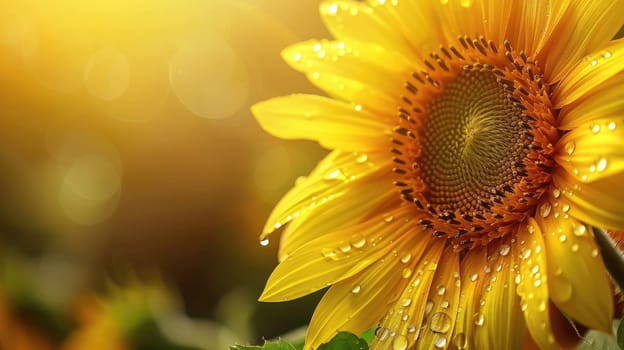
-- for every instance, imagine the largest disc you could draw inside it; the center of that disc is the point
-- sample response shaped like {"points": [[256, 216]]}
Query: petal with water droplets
{"points": [[573, 260]]}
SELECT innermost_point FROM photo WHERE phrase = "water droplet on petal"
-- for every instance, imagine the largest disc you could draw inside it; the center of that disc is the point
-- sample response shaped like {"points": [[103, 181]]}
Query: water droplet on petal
{"points": [[358, 241], [580, 230], [525, 253], [440, 342], [504, 249], [595, 128], [362, 158], [545, 209], [479, 319], [264, 242], [329, 254], [428, 307], [611, 126], [406, 302], [399, 343], [461, 341], [356, 289], [574, 248], [440, 322], [562, 238], [407, 272], [474, 277], [594, 253], [569, 147], [441, 290], [556, 193], [406, 258], [602, 164]]}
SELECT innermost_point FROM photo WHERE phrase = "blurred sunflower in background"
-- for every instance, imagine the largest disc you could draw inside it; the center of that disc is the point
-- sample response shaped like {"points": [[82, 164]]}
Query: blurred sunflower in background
{"points": [[474, 145]]}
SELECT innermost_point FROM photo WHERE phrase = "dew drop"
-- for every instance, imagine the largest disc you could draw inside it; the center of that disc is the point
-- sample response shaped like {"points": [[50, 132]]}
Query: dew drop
{"points": [[358, 108], [607, 54], [461, 341], [389, 218], [537, 283], [594, 253], [399, 343], [542, 306], [406, 302], [345, 248], [545, 209], [383, 334], [406, 258], [474, 277], [407, 272], [441, 290], [358, 241], [264, 242], [595, 128], [556, 193], [278, 225], [356, 289], [329, 254], [535, 269], [611, 126], [362, 158], [570, 147], [332, 9], [525, 253], [562, 238], [411, 328], [574, 248], [440, 322], [440, 342], [602, 164], [479, 319], [428, 307], [580, 230], [416, 282], [524, 306], [444, 304], [504, 249]]}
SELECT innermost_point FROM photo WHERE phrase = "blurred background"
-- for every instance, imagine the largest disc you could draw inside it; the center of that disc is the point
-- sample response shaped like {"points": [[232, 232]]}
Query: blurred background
{"points": [[134, 181]]}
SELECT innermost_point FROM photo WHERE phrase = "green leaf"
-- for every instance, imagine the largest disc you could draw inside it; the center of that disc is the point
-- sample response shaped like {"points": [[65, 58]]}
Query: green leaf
{"points": [[598, 340], [620, 335], [345, 341], [369, 335], [268, 345]]}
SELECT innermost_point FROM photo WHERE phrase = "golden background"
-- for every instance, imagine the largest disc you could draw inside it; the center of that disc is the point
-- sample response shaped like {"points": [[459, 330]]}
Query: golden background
{"points": [[128, 155]]}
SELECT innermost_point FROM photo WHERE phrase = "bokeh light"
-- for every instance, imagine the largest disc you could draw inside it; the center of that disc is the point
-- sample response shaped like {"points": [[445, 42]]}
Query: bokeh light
{"points": [[127, 149]]}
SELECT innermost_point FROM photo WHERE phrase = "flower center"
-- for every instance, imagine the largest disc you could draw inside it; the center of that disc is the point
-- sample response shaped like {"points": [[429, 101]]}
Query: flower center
{"points": [[473, 145], [473, 140]]}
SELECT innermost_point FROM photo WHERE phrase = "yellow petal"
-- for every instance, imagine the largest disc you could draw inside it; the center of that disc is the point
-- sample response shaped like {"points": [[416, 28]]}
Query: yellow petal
{"points": [[358, 303], [532, 287], [590, 72], [334, 175], [598, 203], [444, 300], [332, 123], [344, 73], [323, 262], [498, 320], [357, 24], [471, 285], [603, 100], [354, 205], [533, 22], [421, 25], [594, 150], [573, 260], [584, 28], [396, 330]]}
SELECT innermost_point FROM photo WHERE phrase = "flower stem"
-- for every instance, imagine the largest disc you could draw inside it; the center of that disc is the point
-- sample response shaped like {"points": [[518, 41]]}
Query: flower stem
{"points": [[613, 258]]}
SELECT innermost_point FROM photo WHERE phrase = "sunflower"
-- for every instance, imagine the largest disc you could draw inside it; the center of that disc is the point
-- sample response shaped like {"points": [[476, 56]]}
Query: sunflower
{"points": [[474, 145]]}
